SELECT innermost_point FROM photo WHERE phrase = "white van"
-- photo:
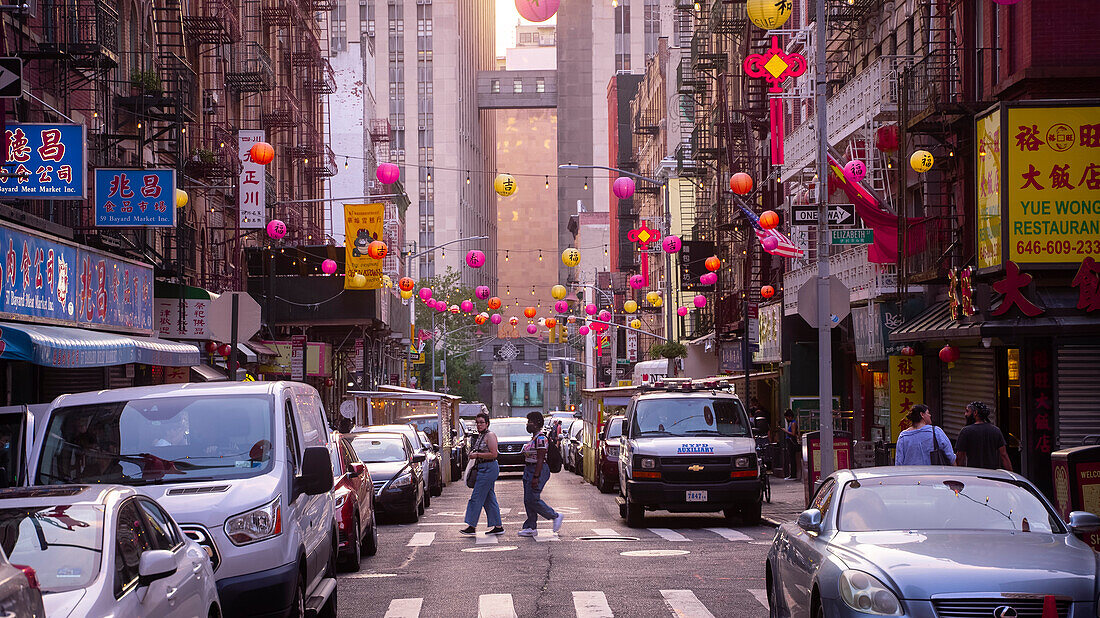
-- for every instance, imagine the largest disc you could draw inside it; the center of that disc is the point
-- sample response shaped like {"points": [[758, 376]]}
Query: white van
{"points": [[650, 371], [244, 467]]}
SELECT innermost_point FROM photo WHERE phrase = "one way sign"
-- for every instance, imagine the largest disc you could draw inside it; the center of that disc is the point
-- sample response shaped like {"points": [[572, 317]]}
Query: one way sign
{"points": [[839, 214], [11, 78]]}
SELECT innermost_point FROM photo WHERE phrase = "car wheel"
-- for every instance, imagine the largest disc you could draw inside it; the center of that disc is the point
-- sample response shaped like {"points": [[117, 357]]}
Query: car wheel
{"points": [[370, 545], [427, 503], [635, 513], [414, 514], [298, 605], [354, 554]]}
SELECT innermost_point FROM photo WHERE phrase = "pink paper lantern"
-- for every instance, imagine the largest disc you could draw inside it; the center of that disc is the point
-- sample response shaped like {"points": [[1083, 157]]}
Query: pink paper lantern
{"points": [[475, 258], [700, 301], [495, 318], [671, 244], [467, 306], [532, 329], [709, 279], [276, 229], [605, 316], [440, 307], [425, 294], [482, 292], [582, 331], [637, 282], [328, 267], [388, 173], [537, 10], [855, 170], [771, 243], [561, 306], [682, 311], [623, 187], [590, 309]]}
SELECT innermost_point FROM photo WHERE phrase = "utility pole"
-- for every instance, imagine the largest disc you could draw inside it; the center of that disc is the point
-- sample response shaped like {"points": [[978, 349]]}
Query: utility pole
{"points": [[824, 324]]}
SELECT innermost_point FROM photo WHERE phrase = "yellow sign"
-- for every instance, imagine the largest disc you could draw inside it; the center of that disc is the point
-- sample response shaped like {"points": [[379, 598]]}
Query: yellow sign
{"points": [[906, 390], [625, 383], [989, 189], [1052, 179], [318, 359], [362, 225], [418, 359]]}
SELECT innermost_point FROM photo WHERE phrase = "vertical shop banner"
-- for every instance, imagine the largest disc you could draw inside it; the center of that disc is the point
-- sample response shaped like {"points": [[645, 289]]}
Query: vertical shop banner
{"points": [[632, 346], [730, 358], [769, 326], [906, 390], [988, 160], [362, 226], [186, 320], [358, 360], [252, 184], [297, 357], [135, 198], [45, 162], [754, 323], [1052, 181], [1038, 374]]}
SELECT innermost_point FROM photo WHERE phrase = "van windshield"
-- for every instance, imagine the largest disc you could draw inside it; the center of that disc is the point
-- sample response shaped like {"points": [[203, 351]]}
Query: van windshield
{"points": [[158, 440], [689, 416]]}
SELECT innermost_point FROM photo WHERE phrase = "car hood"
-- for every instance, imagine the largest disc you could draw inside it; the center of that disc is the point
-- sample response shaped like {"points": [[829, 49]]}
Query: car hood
{"points": [[62, 604], [975, 563], [384, 471], [208, 503], [666, 446]]}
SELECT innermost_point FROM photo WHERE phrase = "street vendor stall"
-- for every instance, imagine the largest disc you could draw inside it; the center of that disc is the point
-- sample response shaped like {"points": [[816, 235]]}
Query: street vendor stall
{"points": [[598, 405]]}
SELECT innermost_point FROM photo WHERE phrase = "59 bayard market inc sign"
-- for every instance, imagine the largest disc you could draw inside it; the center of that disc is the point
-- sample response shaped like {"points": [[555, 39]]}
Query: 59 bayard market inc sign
{"points": [[135, 198], [44, 161], [1052, 183]]}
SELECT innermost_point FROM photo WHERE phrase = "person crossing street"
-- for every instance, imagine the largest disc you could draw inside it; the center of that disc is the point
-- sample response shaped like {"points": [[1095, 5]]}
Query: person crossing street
{"points": [[536, 473]]}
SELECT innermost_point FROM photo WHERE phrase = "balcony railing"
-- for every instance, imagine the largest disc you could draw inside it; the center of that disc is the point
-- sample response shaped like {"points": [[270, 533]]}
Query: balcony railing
{"points": [[87, 31], [865, 280], [250, 68]]}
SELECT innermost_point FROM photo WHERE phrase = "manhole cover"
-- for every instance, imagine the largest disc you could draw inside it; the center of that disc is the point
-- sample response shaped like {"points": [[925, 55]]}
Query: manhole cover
{"points": [[655, 553], [607, 538], [478, 550]]}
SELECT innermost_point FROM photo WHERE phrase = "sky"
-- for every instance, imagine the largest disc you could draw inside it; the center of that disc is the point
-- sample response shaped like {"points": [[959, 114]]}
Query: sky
{"points": [[507, 16]]}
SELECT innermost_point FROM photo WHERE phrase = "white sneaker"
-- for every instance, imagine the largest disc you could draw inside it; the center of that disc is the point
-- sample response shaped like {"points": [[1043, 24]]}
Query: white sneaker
{"points": [[528, 532], [557, 522]]}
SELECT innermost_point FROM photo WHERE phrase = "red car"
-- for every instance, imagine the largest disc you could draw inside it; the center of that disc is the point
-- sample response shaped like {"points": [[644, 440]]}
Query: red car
{"points": [[353, 491], [607, 460]]}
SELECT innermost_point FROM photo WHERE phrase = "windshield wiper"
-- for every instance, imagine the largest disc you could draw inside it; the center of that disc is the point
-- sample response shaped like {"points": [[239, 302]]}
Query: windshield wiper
{"points": [[655, 432], [698, 432]]}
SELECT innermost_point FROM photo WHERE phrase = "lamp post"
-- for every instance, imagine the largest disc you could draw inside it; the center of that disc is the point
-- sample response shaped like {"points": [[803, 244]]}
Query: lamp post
{"points": [[824, 329]]}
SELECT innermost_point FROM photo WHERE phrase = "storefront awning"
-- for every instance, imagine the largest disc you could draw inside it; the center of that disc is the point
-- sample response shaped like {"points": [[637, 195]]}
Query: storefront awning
{"points": [[935, 323], [57, 346], [261, 349], [206, 373]]}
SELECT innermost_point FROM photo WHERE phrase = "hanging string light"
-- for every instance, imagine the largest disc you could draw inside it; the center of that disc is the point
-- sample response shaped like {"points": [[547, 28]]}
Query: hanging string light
{"points": [[548, 182], [540, 259], [429, 174], [345, 163], [586, 183], [506, 258], [467, 176]]}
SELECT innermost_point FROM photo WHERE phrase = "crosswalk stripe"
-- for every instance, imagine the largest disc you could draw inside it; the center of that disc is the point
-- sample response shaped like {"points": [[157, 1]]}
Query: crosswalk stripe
{"points": [[404, 608], [591, 605], [605, 532], [495, 606], [684, 603], [668, 535], [761, 595], [504, 510], [421, 539], [486, 539], [730, 535], [546, 536]]}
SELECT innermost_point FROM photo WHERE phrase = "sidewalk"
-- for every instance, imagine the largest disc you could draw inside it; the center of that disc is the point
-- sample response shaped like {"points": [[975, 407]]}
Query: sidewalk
{"points": [[788, 500]]}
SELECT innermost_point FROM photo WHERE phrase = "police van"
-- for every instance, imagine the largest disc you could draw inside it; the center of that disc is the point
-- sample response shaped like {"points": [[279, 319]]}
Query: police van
{"points": [[688, 447]]}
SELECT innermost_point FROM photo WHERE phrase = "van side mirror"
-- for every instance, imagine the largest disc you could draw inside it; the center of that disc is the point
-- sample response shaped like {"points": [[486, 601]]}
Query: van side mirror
{"points": [[316, 477], [419, 458], [356, 469], [155, 564], [810, 520], [1083, 522]]}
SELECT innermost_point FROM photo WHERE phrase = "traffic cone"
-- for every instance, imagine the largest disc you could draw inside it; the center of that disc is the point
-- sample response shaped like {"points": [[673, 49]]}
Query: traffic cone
{"points": [[1050, 607]]}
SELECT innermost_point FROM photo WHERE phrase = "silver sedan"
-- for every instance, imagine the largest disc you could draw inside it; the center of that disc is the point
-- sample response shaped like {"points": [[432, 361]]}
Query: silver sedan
{"points": [[933, 542]]}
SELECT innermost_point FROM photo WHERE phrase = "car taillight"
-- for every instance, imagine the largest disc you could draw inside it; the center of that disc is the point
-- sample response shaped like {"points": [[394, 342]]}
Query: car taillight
{"points": [[32, 577]]}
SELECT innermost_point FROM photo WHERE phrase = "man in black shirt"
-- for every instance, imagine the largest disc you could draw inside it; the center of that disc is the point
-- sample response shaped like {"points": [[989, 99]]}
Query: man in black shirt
{"points": [[981, 444]]}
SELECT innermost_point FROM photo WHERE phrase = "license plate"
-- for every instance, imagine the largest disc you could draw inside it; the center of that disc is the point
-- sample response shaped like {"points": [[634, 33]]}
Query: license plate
{"points": [[697, 496]]}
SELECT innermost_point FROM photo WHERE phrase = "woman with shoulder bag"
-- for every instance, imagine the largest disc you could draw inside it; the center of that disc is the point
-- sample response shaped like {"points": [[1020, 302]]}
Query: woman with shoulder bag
{"points": [[923, 444], [483, 465]]}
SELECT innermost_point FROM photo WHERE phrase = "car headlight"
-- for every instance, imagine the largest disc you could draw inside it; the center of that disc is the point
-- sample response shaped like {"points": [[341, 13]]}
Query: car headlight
{"points": [[741, 462], [256, 525], [865, 593], [613, 452], [402, 481], [648, 463]]}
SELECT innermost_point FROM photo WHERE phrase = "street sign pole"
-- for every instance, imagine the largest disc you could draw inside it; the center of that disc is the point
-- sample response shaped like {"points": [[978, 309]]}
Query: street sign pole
{"points": [[231, 362], [824, 332]]}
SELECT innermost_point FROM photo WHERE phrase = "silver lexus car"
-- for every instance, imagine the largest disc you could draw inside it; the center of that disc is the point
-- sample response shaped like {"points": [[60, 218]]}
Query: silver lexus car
{"points": [[932, 542]]}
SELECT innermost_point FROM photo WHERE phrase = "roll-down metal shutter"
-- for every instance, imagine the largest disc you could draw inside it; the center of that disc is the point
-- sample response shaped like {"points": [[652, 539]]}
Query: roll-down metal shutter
{"points": [[55, 381], [1078, 391], [116, 376], [973, 378]]}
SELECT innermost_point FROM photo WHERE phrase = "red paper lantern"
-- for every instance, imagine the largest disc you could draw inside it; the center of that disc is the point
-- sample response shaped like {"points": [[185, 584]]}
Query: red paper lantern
{"points": [[713, 263], [741, 183], [886, 138], [551, 322], [949, 353], [767, 291], [908, 351], [262, 153], [329, 382], [225, 350], [211, 347], [530, 312], [377, 250], [494, 303], [769, 220]]}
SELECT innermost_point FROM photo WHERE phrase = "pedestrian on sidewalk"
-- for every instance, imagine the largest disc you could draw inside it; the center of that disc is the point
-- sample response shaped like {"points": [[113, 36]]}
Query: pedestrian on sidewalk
{"points": [[535, 474], [484, 456], [790, 439], [981, 443], [916, 444]]}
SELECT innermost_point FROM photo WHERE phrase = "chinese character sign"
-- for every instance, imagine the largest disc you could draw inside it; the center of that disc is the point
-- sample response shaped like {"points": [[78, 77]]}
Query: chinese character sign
{"points": [[252, 184], [135, 198], [44, 161], [192, 324], [989, 189], [1052, 181], [768, 329], [906, 390], [632, 346], [363, 225], [1039, 375]]}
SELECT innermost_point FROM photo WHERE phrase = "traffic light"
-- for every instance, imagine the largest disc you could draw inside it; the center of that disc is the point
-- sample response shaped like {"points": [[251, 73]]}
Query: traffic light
{"points": [[549, 367], [566, 381]]}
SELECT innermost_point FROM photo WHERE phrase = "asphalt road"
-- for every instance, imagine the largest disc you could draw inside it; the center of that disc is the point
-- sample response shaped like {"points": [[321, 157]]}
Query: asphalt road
{"points": [[700, 566]]}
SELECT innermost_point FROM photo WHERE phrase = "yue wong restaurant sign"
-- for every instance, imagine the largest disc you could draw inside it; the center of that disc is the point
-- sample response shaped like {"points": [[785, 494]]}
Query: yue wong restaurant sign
{"points": [[51, 281], [44, 161]]}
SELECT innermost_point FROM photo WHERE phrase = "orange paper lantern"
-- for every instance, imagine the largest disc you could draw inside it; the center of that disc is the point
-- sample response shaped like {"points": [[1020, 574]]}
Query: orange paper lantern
{"points": [[551, 322], [741, 183], [769, 220], [494, 303], [262, 153], [405, 284], [377, 249], [713, 263], [530, 312]]}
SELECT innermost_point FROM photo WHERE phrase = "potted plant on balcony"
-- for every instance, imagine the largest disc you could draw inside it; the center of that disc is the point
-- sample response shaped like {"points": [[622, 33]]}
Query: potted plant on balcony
{"points": [[144, 83], [670, 349]]}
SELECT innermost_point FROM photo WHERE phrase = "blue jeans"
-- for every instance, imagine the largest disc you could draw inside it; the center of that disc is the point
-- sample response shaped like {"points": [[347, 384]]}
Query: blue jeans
{"points": [[532, 498], [484, 496]]}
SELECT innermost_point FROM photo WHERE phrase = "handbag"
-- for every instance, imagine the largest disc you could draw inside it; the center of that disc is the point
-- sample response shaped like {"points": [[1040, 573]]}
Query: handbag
{"points": [[471, 468], [936, 456]]}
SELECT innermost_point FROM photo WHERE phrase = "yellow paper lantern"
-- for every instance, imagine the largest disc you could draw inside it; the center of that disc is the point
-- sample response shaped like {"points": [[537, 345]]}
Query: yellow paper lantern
{"points": [[654, 299], [635, 323], [768, 14], [921, 161], [558, 292], [571, 257], [388, 283], [181, 198], [504, 184], [406, 295], [358, 281], [630, 306]]}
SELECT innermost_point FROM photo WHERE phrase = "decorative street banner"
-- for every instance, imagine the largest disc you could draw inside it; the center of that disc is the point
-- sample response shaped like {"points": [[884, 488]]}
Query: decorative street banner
{"points": [[53, 281], [135, 198], [252, 199], [989, 189], [362, 225], [632, 346], [1052, 180], [191, 325], [768, 334], [45, 161], [906, 390]]}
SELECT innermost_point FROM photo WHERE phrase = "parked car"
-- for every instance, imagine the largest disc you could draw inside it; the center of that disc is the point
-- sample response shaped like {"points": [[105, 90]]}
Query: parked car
{"points": [[567, 431], [931, 541], [396, 471], [459, 452], [511, 436], [245, 467], [433, 475], [353, 495], [575, 444], [607, 459], [20, 594], [99, 550]]}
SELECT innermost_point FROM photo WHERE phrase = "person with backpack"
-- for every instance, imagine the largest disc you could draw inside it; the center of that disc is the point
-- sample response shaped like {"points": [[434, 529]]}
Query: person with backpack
{"points": [[536, 472]]}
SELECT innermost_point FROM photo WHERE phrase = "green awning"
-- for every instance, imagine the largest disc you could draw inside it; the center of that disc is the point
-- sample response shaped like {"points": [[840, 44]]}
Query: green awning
{"points": [[175, 290]]}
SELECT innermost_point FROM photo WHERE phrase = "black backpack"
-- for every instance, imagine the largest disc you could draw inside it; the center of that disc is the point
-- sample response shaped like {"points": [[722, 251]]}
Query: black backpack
{"points": [[553, 454]]}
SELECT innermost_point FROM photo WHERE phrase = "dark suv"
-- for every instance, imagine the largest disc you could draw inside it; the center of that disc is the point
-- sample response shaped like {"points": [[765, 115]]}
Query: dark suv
{"points": [[607, 459]]}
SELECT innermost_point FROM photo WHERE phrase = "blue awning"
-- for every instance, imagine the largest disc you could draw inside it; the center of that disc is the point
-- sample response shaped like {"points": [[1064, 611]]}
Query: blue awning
{"points": [[57, 346]]}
